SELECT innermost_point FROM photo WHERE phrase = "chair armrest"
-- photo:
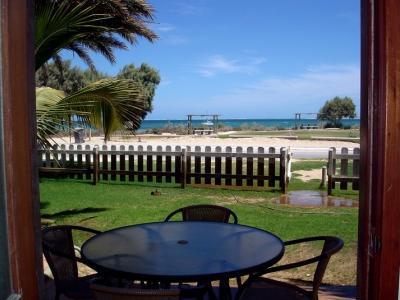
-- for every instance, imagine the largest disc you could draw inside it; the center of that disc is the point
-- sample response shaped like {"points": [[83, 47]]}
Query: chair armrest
{"points": [[304, 240], [70, 227], [172, 214], [57, 252], [293, 265], [91, 230], [298, 263], [76, 257], [235, 218], [318, 238], [77, 248]]}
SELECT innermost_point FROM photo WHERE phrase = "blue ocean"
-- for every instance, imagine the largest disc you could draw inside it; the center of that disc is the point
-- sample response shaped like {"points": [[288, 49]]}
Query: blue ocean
{"points": [[237, 123]]}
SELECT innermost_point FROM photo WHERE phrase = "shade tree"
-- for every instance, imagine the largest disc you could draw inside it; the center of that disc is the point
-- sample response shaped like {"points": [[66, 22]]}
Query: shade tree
{"points": [[336, 109]]}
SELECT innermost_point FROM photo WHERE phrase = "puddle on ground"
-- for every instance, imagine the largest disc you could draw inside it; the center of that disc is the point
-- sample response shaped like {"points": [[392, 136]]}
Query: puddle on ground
{"points": [[314, 199]]}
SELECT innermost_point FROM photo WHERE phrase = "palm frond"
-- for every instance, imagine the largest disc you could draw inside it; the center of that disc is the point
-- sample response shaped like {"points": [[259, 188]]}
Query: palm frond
{"points": [[108, 104], [81, 25], [59, 24], [82, 53]]}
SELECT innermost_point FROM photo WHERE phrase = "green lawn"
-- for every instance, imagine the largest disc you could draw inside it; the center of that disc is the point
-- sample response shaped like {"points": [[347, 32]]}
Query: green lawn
{"points": [[307, 164], [113, 204]]}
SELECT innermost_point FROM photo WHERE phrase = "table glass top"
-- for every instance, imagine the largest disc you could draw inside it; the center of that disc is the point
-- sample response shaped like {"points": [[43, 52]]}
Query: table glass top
{"points": [[182, 249]]}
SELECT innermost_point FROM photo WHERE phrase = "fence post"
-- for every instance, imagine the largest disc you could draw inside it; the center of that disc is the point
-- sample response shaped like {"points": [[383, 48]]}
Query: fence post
{"points": [[344, 168], [282, 178], [288, 166], [271, 168], [323, 180], [95, 165], [330, 170], [183, 168], [356, 169]]}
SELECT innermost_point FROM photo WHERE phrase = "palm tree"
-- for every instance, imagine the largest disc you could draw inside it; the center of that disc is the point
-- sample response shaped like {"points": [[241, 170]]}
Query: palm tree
{"points": [[109, 104], [82, 25]]}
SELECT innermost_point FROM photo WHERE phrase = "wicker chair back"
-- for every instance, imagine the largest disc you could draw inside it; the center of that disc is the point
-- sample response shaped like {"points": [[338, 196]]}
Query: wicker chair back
{"points": [[210, 213]]}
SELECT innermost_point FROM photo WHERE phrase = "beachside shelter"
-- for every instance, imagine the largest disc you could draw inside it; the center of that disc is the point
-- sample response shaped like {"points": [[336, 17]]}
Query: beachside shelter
{"points": [[21, 270], [299, 125], [209, 124]]}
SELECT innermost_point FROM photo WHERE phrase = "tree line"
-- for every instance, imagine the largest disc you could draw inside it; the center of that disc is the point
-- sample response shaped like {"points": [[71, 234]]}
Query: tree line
{"points": [[71, 79]]}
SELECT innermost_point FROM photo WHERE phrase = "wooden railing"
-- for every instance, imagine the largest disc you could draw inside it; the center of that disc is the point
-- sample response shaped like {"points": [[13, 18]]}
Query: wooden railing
{"points": [[348, 169], [181, 165]]}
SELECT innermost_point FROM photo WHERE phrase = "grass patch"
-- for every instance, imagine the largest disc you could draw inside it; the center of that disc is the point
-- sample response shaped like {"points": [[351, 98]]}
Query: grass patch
{"points": [[308, 165], [109, 205], [303, 134]]}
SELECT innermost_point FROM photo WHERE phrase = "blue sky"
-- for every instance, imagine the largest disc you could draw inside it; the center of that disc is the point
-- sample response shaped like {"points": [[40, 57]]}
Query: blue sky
{"points": [[249, 59]]}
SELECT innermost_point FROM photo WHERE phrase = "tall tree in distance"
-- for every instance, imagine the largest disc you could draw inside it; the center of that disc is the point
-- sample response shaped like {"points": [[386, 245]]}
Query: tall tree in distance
{"points": [[336, 109], [94, 75], [62, 77], [70, 79], [145, 76], [54, 85]]}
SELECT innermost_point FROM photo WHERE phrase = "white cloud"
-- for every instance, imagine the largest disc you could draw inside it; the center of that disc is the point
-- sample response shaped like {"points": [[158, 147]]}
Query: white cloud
{"points": [[174, 39], [272, 97], [218, 64], [165, 81], [168, 34], [188, 7], [164, 27], [283, 96], [315, 82]]}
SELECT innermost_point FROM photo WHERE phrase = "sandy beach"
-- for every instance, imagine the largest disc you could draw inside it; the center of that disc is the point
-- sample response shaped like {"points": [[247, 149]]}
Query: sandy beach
{"points": [[213, 141], [300, 148]]}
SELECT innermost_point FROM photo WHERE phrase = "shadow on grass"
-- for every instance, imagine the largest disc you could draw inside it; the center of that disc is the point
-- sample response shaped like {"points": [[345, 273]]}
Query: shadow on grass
{"points": [[74, 211], [144, 183], [66, 180], [194, 187], [44, 204], [172, 186]]}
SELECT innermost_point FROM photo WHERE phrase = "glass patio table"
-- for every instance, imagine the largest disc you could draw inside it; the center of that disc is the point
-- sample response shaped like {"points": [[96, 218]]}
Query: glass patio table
{"points": [[182, 251]]}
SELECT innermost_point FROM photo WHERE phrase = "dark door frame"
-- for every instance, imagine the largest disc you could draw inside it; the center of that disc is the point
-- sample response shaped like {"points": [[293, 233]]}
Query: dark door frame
{"points": [[18, 155], [379, 226], [379, 217]]}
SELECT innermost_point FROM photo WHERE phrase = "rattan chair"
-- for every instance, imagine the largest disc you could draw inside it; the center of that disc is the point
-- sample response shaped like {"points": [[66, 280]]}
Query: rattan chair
{"points": [[204, 212], [101, 292], [257, 287], [62, 257], [207, 213]]}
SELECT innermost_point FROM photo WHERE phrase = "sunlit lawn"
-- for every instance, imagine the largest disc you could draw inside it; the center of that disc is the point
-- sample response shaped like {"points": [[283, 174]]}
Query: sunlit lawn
{"points": [[113, 204]]}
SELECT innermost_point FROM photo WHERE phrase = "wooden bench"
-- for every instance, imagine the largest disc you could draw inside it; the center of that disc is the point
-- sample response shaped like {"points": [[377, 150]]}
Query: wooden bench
{"points": [[203, 131]]}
